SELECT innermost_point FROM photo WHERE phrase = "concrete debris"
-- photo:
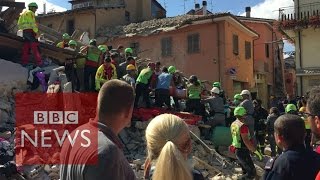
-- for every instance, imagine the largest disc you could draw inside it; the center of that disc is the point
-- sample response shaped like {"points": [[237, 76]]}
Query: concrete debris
{"points": [[152, 26]]}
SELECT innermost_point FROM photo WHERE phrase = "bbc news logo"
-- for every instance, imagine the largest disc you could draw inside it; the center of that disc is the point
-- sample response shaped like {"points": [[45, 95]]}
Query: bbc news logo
{"points": [[50, 124], [55, 117], [43, 137]]}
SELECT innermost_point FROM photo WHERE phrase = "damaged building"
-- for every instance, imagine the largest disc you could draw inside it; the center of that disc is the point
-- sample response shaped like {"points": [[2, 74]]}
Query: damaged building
{"points": [[90, 15]]}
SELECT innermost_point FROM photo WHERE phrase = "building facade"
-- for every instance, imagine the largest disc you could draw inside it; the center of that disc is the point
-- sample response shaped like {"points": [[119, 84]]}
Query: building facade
{"points": [[290, 76], [268, 58], [92, 15], [301, 24], [215, 48]]}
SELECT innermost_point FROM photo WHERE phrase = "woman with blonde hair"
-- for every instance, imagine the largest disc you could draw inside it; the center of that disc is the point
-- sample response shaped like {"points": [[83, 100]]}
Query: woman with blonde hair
{"points": [[168, 144]]}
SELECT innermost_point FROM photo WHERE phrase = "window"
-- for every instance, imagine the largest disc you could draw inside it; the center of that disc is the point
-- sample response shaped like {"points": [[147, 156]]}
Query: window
{"points": [[70, 27], [248, 49], [193, 43], [166, 46], [235, 43], [127, 16], [135, 48], [267, 50]]}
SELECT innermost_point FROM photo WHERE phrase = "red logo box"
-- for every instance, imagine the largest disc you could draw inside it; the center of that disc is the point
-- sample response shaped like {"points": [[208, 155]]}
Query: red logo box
{"points": [[52, 128]]}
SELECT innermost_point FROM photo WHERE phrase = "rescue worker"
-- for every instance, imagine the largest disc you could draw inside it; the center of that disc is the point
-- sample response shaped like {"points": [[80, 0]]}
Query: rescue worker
{"points": [[103, 49], [272, 117], [260, 115], [72, 45], [162, 92], [105, 72], [222, 95], [122, 67], [71, 67], [291, 109], [128, 52], [65, 43], [237, 99], [296, 162], [248, 105], [242, 144], [27, 23], [194, 90], [142, 85], [130, 76], [216, 108], [93, 60]]}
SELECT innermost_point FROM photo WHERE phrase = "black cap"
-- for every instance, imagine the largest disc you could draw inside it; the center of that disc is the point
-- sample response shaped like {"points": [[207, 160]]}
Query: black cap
{"points": [[248, 9], [197, 6]]}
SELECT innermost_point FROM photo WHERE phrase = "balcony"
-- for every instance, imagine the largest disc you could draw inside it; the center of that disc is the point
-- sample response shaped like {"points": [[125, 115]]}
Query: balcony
{"points": [[302, 17]]}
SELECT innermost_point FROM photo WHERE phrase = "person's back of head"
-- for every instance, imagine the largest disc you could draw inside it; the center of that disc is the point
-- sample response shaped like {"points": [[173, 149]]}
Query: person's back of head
{"points": [[290, 131], [313, 102], [274, 111], [168, 143], [115, 100], [165, 70]]}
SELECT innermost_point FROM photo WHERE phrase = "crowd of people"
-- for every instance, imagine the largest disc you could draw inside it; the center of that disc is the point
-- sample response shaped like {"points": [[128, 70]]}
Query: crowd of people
{"points": [[291, 127]]}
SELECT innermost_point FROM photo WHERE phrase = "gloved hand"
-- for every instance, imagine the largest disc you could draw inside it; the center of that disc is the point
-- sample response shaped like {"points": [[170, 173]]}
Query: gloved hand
{"points": [[259, 155]]}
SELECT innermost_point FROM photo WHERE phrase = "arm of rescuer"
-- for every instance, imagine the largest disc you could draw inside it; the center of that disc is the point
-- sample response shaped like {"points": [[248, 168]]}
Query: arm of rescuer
{"points": [[244, 132]]}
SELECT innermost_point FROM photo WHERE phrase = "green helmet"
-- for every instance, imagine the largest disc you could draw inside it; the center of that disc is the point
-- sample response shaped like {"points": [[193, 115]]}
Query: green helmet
{"points": [[128, 50], [240, 111], [216, 84], [291, 107], [102, 48], [66, 36], [72, 42], [172, 69], [92, 41], [238, 97], [33, 4]]}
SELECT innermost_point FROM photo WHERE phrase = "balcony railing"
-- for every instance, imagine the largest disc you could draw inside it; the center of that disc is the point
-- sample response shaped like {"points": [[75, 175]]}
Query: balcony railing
{"points": [[304, 16]]}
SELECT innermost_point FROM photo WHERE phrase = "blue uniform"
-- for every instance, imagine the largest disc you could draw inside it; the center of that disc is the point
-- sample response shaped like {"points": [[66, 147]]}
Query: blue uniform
{"points": [[295, 163]]}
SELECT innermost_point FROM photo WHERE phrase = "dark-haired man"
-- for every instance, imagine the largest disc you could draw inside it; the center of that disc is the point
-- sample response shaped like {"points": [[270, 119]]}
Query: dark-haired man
{"points": [[114, 112], [296, 162], [313, 113]]}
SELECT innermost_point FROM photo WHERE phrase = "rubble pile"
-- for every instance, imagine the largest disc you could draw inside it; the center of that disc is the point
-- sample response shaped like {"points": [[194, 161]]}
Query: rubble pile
{"points": [[151, 26], [202, 160]]}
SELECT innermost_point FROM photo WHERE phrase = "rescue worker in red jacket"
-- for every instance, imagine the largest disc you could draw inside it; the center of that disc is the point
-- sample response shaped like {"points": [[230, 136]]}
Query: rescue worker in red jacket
{"points": [[27, 23]]}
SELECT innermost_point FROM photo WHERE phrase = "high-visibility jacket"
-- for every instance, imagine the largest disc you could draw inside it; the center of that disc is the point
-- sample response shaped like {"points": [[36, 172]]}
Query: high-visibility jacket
{"points": [[102, 75], [62, 45], [237, 141], [93, 55], [27, 20]]}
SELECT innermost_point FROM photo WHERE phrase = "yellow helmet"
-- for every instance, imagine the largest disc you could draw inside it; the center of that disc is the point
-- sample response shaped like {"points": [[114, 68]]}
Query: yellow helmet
{"points": [[130, 67]]}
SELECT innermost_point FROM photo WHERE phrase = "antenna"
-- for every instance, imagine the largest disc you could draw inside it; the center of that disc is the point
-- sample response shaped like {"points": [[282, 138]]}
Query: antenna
{"points": [[211, 6], [184, 6]]}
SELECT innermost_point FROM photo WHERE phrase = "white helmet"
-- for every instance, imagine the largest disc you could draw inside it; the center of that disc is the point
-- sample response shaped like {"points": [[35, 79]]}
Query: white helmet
{"points": [[245, 92], [215, 90]]}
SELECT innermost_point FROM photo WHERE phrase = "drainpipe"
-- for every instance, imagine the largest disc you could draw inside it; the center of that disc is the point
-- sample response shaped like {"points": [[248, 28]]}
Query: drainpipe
{"points": [[300, 50], [219, 55]]}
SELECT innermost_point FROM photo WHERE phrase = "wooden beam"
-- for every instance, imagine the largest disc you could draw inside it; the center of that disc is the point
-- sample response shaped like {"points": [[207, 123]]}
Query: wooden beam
{"points": [[12, 4]]}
